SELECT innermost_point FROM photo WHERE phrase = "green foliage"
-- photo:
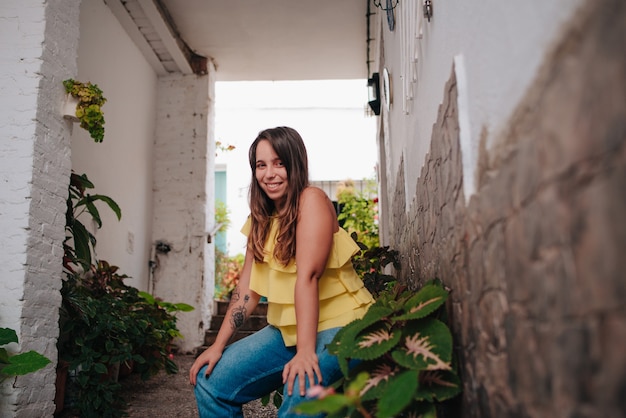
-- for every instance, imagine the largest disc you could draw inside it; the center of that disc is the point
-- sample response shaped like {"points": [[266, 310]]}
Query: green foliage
{"points": [[80, 242], [405, 360], [104, 322], [89, 108], [369, 264], [222, 216], [227, 268], [18, 364], [227, 273], [358, 212]]}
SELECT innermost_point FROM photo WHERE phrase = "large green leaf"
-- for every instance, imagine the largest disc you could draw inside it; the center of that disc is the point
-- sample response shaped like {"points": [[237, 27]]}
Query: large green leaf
{"points": [[24, 363], [427, 345], [81, 243], [112, 204], [343, 344], [329, 404], [379, 376], [4, 356], [398, 395], [375, 341], [438, 385], [7, 336], [423, 303], [80, 183]]}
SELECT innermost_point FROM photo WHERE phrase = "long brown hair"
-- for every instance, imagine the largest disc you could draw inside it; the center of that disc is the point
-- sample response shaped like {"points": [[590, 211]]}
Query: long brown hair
{"points": [[288, 145]]}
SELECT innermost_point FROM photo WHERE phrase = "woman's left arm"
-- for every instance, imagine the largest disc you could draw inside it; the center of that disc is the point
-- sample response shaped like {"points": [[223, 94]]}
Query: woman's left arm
{"points": [[317, 223]]}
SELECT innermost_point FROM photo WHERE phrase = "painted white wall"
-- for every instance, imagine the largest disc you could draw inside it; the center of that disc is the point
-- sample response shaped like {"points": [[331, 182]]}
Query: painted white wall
{"points": [[501, 44], [120, 166], [183, 155], [38, 44], [329, 115]]}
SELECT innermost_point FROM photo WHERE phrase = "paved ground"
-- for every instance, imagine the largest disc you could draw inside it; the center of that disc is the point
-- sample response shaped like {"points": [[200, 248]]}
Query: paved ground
{"points": [[171, 396]]}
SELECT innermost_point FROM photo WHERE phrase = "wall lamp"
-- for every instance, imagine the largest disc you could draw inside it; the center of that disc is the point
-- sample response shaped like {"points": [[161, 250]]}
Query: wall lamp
{"points": [[373, 90]]}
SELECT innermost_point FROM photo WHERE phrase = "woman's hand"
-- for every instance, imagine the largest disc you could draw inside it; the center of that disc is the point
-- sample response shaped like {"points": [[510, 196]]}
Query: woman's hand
{"points": [[210, 357], [302, 365]]}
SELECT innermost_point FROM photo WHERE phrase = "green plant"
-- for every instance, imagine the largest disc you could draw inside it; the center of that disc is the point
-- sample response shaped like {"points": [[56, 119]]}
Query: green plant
{"points": [[106, 323], [94, 340], [155, 341], [103, 321], [404, 354], [89, 108], [79, 242], [369, 264], [18, 364], [358, 212], [227, 273]]}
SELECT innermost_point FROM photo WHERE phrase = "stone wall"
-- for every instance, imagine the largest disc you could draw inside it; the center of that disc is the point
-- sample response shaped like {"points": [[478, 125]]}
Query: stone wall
{"points": [[535, 261]]}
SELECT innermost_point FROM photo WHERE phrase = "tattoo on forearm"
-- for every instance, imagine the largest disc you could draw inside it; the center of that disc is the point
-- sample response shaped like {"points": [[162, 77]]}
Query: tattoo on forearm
{"points": [[234, 297], [239, 313]]}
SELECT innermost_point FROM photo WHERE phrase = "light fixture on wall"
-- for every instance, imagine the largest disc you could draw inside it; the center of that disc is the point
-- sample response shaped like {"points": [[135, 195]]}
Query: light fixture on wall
{"points": [[373, 90], [428, 9]]}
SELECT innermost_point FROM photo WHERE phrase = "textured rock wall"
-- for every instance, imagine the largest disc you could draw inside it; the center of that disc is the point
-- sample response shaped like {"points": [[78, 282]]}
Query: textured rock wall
{"points": [[536, 259]]}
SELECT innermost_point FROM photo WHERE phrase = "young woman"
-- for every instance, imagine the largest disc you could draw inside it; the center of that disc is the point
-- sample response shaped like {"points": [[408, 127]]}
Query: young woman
{"points": [[300, 259]]}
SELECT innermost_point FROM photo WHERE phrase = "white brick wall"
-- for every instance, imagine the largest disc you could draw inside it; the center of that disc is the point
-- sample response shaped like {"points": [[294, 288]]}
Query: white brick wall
{"points": [[38, 45], [184, 113]]}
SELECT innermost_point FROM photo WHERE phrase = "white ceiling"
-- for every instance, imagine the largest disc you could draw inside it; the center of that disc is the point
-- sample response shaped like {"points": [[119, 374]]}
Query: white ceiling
{"points": [[276, 39]]}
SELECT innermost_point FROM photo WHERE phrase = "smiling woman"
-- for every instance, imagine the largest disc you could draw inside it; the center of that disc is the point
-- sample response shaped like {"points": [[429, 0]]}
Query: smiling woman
{"points": [[270, 173], [298, 258], [340, 137]]}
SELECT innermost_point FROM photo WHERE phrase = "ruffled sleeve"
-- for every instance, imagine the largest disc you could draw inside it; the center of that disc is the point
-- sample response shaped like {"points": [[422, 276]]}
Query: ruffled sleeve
{"points": [[342, 294]]}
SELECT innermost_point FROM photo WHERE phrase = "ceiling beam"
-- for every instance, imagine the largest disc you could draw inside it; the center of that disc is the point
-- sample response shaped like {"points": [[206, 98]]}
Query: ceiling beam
{"points": [[165, 32], [135, 34]]}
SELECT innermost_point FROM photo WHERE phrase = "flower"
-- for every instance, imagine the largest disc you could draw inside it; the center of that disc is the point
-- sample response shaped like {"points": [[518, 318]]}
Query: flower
{"points": [[319, 392]]}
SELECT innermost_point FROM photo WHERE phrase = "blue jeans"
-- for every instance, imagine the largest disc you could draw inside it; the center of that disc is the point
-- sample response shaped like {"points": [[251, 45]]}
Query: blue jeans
{"points": [[252, 368]]}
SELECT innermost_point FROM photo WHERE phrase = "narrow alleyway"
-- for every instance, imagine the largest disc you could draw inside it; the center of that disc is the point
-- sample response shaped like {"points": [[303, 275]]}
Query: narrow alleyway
{"points": [[169, 396]]}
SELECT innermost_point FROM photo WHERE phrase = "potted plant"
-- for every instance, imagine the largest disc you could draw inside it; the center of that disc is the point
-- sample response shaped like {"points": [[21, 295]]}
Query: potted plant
{"points": [[105, 323], [87, 102]]}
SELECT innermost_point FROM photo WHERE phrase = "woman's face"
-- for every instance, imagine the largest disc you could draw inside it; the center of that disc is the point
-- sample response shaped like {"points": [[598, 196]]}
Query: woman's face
{"points": [[270, 173]]}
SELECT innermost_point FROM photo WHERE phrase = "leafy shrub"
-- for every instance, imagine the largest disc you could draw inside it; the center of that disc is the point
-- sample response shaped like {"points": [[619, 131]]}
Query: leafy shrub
{"points": [[405, 359], [104, 322], [358, 211], [370, 263]]}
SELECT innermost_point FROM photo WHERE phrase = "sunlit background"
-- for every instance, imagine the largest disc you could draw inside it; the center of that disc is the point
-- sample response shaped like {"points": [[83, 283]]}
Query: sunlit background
{"points": [[330, 116]]}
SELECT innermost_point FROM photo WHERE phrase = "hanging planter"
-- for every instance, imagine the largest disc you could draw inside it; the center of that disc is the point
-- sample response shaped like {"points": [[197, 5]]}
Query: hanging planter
{"points": [[88, 107], [69, 108]]}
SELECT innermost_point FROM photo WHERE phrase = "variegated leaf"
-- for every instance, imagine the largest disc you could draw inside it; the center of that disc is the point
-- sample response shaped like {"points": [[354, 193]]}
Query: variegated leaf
{"points": [[378, 381], [423, 303], [438, 385], [427, 345], [375, 341]]}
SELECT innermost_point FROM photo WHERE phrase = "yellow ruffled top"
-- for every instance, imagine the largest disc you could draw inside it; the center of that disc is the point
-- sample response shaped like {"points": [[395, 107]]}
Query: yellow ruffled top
{"points": [[342, 294]]}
